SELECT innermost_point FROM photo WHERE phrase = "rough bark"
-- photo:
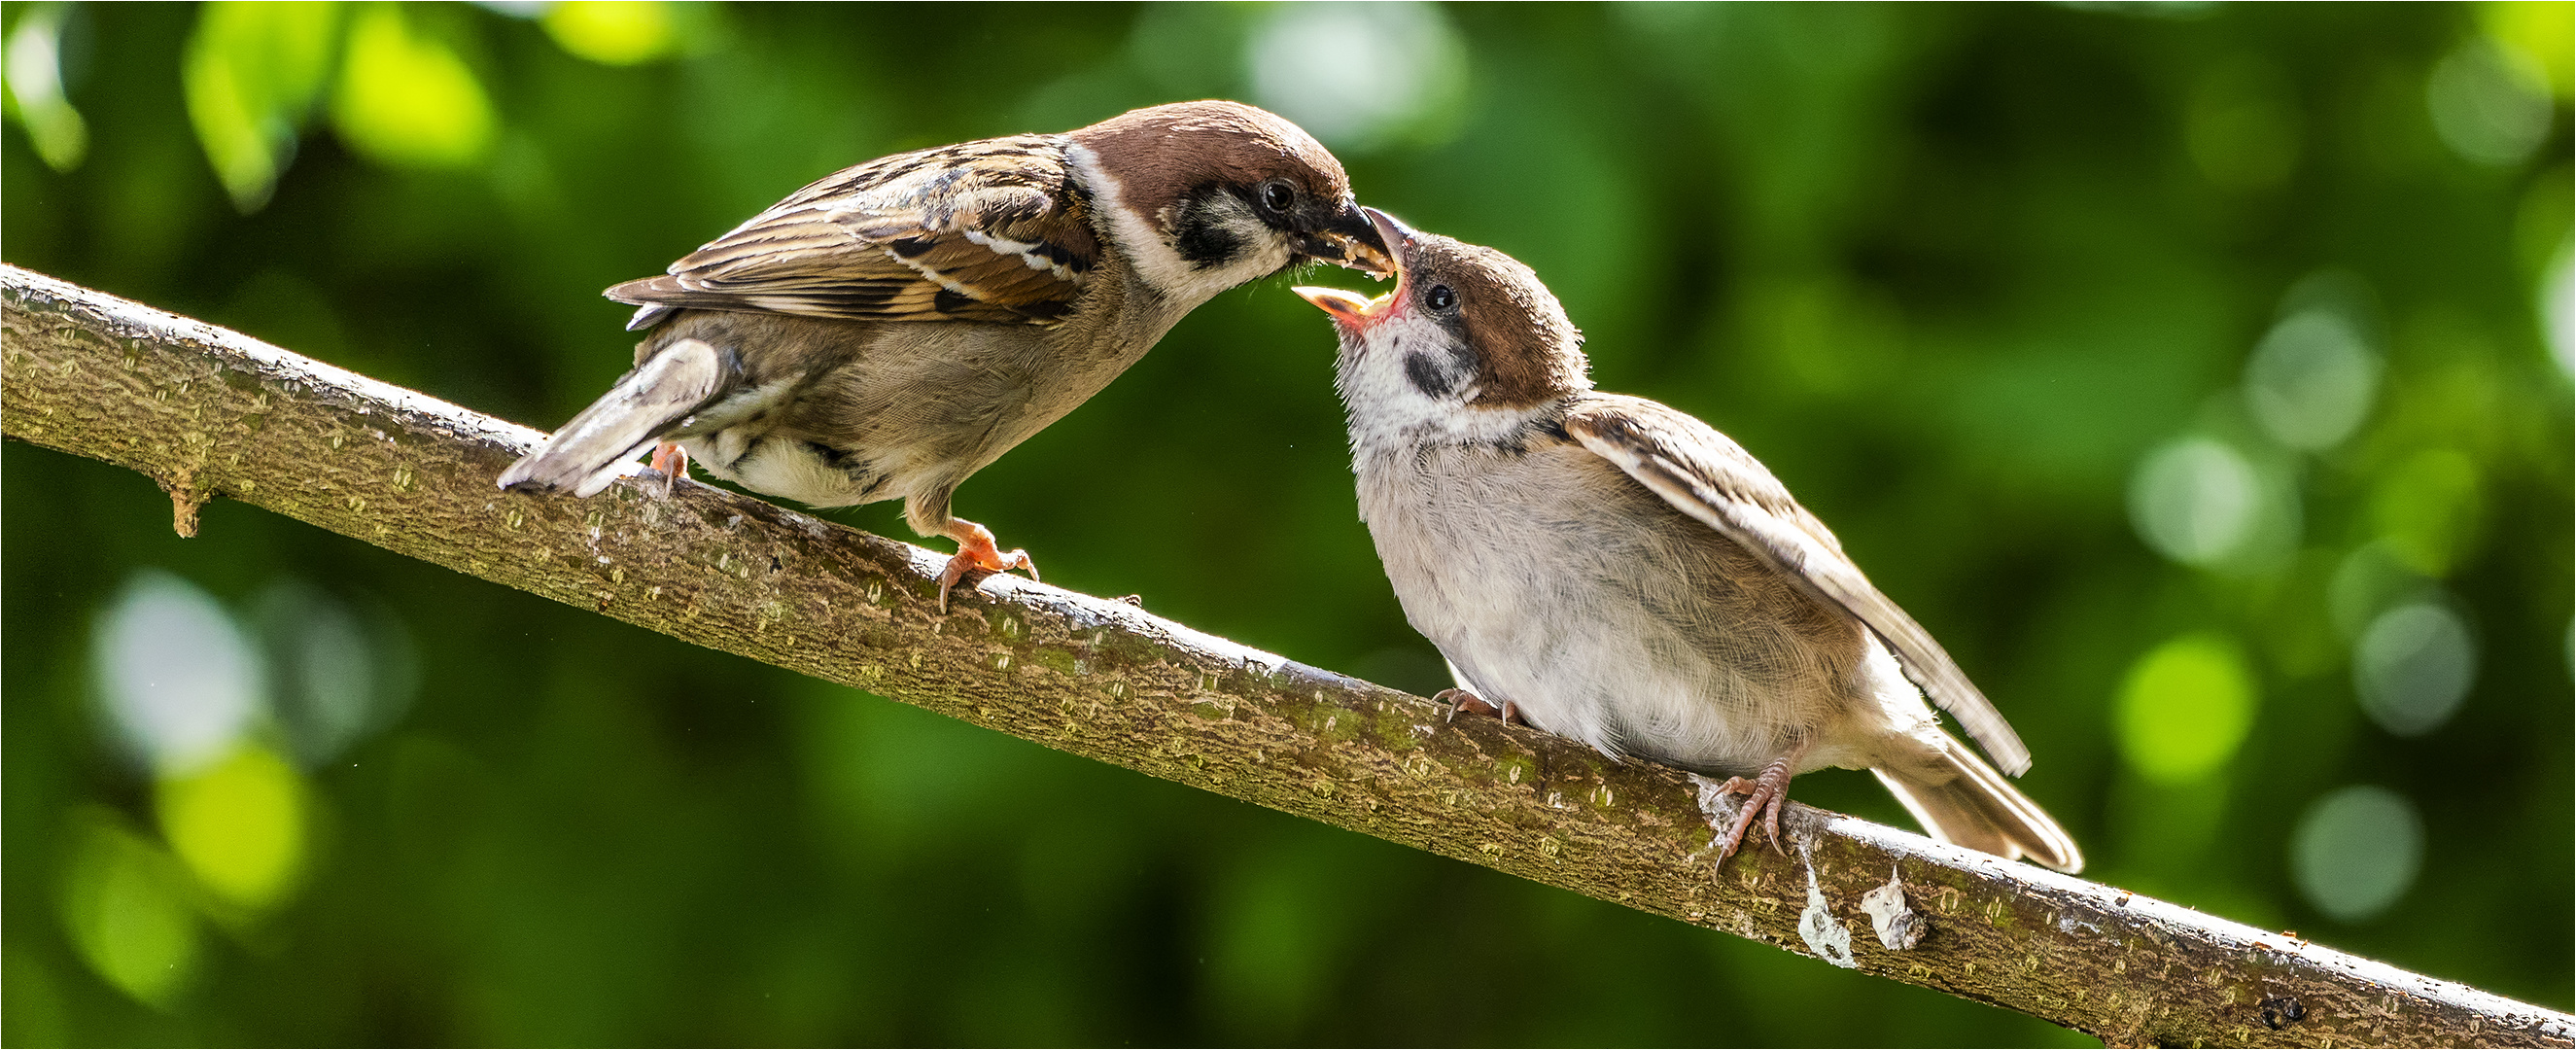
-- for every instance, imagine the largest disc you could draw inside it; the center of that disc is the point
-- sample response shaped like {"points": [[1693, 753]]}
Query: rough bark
{"points": [[210, 413]]}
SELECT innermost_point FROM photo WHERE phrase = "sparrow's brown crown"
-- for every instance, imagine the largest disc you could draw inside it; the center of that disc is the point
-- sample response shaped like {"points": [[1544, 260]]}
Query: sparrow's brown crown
{"points": [[1163, 153], [1213, 178]]}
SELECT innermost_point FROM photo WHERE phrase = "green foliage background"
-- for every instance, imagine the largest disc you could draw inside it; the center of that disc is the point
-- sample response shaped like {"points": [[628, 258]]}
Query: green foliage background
{"points": [[1953, 272]]}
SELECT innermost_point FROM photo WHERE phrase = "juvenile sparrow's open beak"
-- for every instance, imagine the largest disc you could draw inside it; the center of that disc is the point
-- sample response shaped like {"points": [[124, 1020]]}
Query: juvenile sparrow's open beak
{"points": [[1350, 239], [1352, 308]]}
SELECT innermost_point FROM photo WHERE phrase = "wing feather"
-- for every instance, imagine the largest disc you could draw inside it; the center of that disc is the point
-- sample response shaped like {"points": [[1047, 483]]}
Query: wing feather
{"points": [[1711, 478], [984, 231]]}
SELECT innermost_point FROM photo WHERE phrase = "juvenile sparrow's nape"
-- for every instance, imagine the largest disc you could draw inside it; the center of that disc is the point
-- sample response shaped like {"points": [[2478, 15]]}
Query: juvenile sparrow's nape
{"points": [[886, 332], [1618, 572]]}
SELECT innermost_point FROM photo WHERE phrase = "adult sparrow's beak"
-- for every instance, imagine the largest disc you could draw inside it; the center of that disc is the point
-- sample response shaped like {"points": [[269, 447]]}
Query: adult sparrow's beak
{"points": [[1349, 239], [1352, 308]]}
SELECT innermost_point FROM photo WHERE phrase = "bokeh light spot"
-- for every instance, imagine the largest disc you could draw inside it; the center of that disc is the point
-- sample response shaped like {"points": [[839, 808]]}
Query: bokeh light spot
{"points": [[2413, 667], [2185, 708], [239, 825], [2196, 501], [2488, 103], [334, 677], [2356, 851], [2557, 303], [2311, 380], [612, 32], [1354, 74], [2543, 35], [126, 912], [179, 678], [407, 100], [2427, 510]]}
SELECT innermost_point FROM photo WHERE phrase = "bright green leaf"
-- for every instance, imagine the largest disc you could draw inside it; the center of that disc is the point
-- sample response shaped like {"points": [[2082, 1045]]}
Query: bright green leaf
{"points": [[407, 100], [612, 32], [2539, 34], [35, 90], [252, 71]]}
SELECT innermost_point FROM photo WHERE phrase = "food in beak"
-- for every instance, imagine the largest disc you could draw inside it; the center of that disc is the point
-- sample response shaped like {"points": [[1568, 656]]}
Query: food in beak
{"points": [[1357, 251], [1353, 308], [1350, 307]]}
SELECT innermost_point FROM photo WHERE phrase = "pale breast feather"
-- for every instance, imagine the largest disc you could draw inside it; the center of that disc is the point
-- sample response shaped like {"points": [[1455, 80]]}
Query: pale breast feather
{"points": [[1707, 476], [992, 231]]}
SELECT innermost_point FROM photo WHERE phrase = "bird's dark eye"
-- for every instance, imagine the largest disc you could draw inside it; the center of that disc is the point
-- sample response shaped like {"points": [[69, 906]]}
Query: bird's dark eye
{"points": [[1440, 297], [1278, 196]]}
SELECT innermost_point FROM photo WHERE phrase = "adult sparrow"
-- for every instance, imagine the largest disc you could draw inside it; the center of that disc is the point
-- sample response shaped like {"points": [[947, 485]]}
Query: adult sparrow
{"points": [[1618, 572], [887, 331]]}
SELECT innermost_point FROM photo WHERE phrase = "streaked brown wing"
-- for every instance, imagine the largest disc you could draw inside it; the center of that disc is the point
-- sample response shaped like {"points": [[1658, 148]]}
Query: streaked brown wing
{"points": [[1709, 477], [983, 231]]}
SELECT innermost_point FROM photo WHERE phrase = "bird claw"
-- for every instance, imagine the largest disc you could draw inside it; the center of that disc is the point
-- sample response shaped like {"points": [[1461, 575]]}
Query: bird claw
{"points": [[977, 553], [672, 463], [1763, 797], [1462, 700]]}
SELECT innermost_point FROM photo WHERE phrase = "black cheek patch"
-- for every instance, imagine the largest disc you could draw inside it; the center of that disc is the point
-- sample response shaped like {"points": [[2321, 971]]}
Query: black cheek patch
{"points": [[1201, 239], [1428, 375], [1206, 244]]}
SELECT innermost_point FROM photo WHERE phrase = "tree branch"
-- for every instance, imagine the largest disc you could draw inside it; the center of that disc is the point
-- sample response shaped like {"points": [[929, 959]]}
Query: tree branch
{"points": [[208, 412]]}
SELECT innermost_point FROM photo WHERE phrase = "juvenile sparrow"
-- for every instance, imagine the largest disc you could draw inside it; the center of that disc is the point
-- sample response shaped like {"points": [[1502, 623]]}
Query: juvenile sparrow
{"points": [[887, 331], [1617, 572]]}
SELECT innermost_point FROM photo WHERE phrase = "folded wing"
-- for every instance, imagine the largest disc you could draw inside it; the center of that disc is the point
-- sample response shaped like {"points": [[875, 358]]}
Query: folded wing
{"points": [[1707, 476]]}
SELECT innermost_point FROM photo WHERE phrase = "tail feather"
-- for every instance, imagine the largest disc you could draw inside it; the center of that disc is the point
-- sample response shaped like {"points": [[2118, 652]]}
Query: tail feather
{"points": [[589, 452], [1961, 800]]}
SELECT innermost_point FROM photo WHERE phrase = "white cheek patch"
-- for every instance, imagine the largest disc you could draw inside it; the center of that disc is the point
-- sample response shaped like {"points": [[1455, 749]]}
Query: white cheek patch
{"points": [[1388, 382], [1160, 264]]}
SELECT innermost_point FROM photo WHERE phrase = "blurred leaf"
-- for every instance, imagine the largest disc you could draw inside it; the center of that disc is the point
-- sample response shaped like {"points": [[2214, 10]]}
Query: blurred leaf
{"points": [[613, 32], [408, 100], [35, 88], [126, 910], [253, 70], [2539, 30]]}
